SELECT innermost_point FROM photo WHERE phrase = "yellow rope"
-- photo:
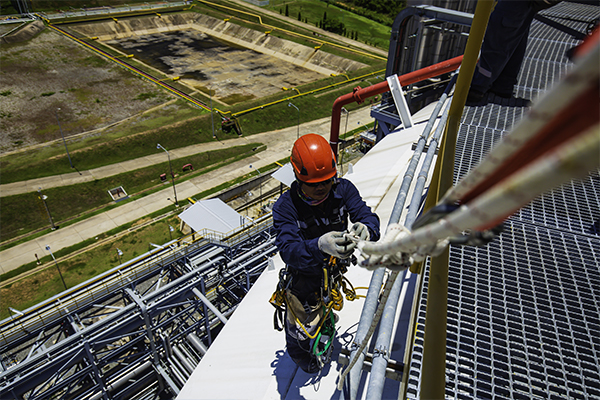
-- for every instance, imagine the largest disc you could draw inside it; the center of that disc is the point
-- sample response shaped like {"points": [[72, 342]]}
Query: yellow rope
{"points": [[329, 307], [337, 302]]}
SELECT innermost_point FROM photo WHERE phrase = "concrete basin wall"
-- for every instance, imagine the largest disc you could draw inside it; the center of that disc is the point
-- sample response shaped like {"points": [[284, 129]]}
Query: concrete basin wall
{"points": [[303, 56]]}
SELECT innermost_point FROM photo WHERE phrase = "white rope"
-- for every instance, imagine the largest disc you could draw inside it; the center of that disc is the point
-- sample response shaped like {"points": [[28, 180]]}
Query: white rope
{"points": [[399, 248], [567, 90], [378, 313], [576, 158]]}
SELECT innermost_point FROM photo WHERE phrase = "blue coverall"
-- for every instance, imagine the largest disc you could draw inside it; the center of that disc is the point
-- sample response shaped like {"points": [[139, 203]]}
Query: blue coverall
{"points": [[300, 251], [504, 45]]}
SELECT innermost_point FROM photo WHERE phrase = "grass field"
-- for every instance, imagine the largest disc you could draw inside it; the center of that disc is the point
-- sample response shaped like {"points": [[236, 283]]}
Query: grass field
{"points": [[174, 125], [27, 212], [369, 32], [160, 127], [47, 283]]}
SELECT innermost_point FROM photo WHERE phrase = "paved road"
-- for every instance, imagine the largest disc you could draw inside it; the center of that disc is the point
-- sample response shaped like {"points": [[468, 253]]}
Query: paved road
{"points": [[278, 143]]}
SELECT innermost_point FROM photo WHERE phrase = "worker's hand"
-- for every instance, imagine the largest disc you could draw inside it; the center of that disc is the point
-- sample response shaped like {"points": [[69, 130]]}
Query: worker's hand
{"points": [[360, 230], [335, 244]]}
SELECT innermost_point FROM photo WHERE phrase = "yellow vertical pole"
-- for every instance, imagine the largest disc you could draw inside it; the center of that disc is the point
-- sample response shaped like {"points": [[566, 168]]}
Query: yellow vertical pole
{"points": [[433, 376]]}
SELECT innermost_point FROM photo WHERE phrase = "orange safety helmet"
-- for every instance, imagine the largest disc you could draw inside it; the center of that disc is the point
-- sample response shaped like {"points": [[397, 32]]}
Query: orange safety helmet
{"points": [[313, 159]]}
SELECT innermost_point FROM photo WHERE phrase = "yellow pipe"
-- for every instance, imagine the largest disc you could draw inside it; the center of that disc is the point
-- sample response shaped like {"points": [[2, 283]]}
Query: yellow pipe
{"points": [[141, 73], [358, 78], [293, 33], [433, 376]]}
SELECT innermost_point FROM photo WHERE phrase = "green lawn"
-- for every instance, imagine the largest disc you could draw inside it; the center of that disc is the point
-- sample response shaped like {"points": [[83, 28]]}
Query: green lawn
{"points": [[52, 160], [174, 126], [368, 31], [32, 290], [45, 284], [25, 212]]}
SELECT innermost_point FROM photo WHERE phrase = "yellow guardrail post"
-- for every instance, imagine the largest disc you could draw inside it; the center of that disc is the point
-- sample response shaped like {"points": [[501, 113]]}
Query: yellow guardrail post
{"points": [[433, 375]]}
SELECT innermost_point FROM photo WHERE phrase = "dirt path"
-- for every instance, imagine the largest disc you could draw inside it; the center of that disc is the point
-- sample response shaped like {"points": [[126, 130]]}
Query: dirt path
{"points": [[270, 139], [279, 144]]}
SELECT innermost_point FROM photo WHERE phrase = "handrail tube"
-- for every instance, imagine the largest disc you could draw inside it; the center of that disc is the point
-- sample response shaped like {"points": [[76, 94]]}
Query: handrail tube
{"points": [[377, 379], [434, 364], [359, 94], [366, 318], [409, 174], [371, 300], [382, 348]]}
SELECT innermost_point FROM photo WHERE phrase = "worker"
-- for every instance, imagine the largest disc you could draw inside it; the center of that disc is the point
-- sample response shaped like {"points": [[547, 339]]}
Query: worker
{"points": [[503, 48], [310, 221]]}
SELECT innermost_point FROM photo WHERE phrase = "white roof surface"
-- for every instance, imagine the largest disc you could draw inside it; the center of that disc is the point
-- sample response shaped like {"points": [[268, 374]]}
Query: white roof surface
{"points": [[212, 214], [248, 359], [285, 175]]}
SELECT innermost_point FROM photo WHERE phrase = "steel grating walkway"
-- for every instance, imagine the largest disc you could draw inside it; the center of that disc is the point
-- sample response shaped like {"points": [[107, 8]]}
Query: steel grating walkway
{"points": [[524, 311]]}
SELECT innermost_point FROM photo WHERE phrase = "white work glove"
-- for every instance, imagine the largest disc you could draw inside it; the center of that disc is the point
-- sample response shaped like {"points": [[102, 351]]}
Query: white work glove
{"points": [[335, 244], [360, 230], [394, 261]]}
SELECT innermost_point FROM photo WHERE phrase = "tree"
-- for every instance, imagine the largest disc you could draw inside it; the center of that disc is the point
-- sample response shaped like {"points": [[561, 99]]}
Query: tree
{"points": [[287, 11], [333, 25], [299, 16]]}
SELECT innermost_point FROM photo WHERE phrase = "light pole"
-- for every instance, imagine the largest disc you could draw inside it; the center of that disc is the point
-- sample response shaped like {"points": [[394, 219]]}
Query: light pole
{"points": [[298, 131], [63, 137], [43, 197], [212, 121], [56, 263], [259, 183], [347, 115], [364, 126], [158, 146], [119, 254]]}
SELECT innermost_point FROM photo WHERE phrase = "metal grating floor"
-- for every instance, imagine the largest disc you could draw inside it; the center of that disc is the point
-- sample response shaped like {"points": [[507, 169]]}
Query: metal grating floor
{"points": [[524, 311], [523, 318], [573, 207]]}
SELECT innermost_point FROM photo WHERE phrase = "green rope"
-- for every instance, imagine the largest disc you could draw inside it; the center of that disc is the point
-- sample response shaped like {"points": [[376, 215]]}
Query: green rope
{"points": [[328, 330]]}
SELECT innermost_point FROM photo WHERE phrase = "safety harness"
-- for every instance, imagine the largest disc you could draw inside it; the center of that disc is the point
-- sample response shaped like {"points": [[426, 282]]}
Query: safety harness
{"points": [[334, 283]]}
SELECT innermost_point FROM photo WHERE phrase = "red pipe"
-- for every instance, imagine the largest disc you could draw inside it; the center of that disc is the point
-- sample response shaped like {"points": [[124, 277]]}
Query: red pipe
{"points": [[359, 94]]}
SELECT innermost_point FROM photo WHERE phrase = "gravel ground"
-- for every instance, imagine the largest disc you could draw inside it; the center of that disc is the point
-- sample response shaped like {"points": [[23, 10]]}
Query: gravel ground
{"points": [[232, 73], [49, 75]]}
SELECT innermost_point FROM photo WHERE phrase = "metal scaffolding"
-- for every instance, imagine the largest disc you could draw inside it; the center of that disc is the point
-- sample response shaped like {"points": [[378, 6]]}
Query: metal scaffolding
{"points": [[137, 331]]}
